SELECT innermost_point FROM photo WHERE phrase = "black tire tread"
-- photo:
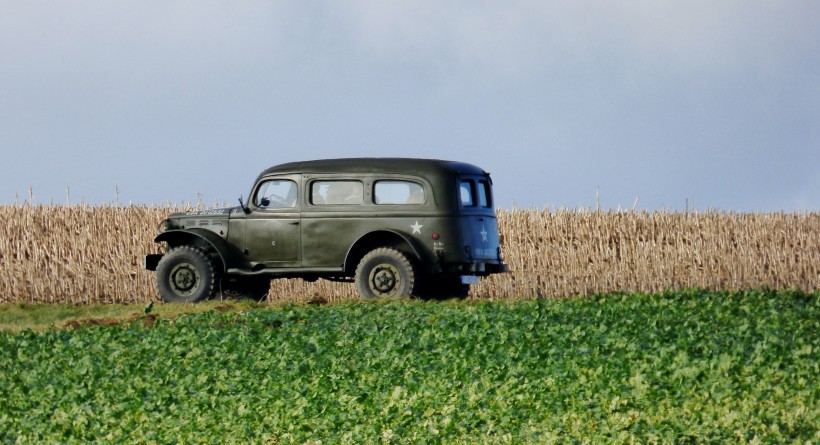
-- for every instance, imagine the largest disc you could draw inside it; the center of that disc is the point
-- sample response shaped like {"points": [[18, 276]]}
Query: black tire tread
{"points": [[391, 254], [197, 254]]}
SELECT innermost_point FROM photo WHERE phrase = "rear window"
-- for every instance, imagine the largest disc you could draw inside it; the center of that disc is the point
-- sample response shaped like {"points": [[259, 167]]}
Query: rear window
{"points": [[475, 193], [398, 192], [466, 193], [484, 194]]}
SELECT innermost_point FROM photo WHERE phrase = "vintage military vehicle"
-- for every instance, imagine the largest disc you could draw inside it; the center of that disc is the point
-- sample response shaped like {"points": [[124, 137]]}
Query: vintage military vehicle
{"points": [[396, 227]]}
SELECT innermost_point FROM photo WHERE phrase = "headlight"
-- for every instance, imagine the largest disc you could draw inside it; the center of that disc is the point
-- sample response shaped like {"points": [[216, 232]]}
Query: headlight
{"points": [[165, 225]]}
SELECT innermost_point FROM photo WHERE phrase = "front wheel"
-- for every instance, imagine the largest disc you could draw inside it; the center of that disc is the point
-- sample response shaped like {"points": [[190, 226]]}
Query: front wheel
{"points": [[186, 275], [385, 273]]}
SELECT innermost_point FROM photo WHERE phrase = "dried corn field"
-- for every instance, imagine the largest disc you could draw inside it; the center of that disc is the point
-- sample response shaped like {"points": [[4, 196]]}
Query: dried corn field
{"points": [[571, 252], [87, 254]]}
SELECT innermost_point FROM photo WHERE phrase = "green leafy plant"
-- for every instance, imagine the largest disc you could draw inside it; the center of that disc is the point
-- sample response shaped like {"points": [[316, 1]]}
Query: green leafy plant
{"points": [[682, 367]]}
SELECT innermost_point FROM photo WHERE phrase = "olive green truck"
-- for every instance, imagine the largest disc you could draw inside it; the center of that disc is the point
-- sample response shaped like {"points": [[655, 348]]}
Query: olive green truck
{"points": [[397, 227]]}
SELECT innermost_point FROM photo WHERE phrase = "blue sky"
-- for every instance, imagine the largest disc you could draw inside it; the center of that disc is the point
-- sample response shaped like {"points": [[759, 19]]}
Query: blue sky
{"points": [[653, 104]]}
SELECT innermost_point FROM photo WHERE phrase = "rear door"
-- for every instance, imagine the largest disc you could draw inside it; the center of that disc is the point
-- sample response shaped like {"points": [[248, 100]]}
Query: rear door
{"points": [[478, 223]]}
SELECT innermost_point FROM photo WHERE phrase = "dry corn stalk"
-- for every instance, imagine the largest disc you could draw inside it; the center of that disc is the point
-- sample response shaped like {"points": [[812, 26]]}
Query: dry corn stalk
{"points": [[93, 254]]}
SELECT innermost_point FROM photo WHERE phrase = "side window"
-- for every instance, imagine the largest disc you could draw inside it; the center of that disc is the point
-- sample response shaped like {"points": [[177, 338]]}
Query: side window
{"points": [[484, 195], [398, 192], [466, 193], [276, 194], [337, 193]]}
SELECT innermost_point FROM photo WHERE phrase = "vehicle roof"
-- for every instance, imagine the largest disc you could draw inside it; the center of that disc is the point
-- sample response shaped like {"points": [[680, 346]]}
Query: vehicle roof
{"points": [[411, 166]]}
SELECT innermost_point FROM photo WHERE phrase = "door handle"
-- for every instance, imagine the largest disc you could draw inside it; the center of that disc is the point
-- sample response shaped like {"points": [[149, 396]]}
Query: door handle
{"points": [[294, 223]]}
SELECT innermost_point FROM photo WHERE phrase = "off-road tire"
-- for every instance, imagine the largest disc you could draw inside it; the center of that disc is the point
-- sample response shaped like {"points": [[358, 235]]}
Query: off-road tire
{"points": [[385, 273], [245, 288], [186, 275]]}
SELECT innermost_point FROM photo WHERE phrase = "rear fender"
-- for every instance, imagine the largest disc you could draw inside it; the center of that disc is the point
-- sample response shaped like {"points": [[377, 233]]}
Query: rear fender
{"points": [[382, 238], [229, 256]]}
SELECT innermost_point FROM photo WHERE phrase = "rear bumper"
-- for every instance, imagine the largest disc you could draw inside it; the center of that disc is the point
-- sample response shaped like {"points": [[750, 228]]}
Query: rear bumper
{"points": [[152, 260], [497, 268], [478, 268]]}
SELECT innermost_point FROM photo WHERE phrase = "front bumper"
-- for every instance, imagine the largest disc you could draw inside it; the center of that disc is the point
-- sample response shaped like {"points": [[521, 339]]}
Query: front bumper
{"points": [[152, 260]]}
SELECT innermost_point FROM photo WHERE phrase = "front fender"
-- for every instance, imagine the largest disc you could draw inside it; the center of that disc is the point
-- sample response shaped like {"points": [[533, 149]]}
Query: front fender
{"points": [[229, 255]]}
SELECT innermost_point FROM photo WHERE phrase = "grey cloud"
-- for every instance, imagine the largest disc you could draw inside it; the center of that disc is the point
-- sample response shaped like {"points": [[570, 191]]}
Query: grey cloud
{"points": [[656, 100]]}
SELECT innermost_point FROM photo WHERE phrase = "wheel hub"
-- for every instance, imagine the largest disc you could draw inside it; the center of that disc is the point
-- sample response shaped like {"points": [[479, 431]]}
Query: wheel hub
{"points": [[384, 279], [184, 279]]}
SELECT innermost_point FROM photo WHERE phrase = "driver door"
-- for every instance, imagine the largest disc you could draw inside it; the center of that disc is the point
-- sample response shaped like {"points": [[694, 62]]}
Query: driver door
{"points": [[273, 237]]}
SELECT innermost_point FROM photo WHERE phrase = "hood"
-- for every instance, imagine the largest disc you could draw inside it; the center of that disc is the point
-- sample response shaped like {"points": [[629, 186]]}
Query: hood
{"points": [[209, 213], [215, 220]]}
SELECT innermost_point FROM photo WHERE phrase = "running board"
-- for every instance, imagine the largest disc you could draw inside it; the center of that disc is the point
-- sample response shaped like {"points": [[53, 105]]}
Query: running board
{"points": [[287, 272]]}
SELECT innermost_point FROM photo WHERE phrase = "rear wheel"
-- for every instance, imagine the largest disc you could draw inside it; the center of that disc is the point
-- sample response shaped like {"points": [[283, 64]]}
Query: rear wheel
{"points": [[245, 288], [385, 273], [186, 275]]}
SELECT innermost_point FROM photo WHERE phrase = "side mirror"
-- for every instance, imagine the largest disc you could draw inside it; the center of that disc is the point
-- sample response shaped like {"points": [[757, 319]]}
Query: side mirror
{"points": [[244, 207], [265, 202]]}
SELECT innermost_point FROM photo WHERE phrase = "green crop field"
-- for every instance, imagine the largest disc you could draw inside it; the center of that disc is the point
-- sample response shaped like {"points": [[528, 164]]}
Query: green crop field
{"points": [[682, 367]]}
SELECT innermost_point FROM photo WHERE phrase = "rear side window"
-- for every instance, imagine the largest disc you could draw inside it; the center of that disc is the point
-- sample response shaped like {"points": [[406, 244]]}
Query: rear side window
{"points": [[398, 192], [336, 193]]}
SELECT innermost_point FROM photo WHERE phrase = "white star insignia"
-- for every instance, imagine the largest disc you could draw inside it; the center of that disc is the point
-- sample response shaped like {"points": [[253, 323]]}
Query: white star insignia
{"points": [[417, 227], [483, 234]]}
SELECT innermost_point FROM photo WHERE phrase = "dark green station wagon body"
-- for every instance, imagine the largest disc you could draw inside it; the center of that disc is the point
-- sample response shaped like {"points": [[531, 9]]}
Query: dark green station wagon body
{"points": [[396, 226]]}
